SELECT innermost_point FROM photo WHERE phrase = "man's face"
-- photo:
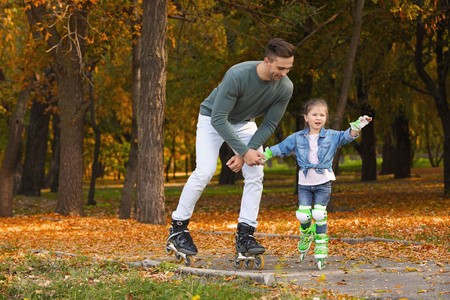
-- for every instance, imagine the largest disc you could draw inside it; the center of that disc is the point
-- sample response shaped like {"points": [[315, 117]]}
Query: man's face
{"points": [[279, 67]]}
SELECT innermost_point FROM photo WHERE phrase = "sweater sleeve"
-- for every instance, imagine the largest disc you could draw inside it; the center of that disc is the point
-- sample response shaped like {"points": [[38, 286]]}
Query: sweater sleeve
{"points": [[270, 122], [225, 100], [272, 117]]}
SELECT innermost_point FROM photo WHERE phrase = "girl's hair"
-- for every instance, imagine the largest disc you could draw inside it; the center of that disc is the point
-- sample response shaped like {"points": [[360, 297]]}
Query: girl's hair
{"points": [[313, 102]]}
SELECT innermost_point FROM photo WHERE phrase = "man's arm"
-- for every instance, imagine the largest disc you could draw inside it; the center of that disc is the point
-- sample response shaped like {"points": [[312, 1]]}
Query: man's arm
{"points": [[268, 125], [224, 103]]}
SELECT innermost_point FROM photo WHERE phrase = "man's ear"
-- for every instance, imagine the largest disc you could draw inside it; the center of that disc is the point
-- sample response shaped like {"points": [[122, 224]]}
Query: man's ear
{"points": [[266, 60]]}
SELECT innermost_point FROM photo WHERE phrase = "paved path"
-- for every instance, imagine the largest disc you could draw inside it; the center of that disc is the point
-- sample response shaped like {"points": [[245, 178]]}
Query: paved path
{"points": [[372, 279]]}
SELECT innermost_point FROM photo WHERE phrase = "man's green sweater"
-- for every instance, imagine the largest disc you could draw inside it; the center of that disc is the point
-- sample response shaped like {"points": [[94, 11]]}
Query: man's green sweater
{"points": [[242, 96]]}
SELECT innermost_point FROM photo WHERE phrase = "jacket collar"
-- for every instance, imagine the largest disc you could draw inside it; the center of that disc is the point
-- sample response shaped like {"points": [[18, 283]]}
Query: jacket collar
{"points": [[305, 132]]}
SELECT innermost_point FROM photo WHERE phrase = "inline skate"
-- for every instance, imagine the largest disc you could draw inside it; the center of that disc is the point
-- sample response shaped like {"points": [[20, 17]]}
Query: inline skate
{"points": [[180, 243], [248, 250], [321, 250], [306, 239]]}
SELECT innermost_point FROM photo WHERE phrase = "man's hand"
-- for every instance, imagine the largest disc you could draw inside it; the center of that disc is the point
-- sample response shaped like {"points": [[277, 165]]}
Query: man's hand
{"points": [[254, 158], [235, 163]]}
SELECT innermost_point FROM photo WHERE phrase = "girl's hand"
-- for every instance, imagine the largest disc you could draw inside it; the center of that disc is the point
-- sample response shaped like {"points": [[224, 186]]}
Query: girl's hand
{"points": [[360, 123]]}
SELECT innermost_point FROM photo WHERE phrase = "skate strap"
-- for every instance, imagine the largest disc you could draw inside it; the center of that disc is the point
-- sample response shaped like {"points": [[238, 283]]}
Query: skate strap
{"points": [[177, 233]]}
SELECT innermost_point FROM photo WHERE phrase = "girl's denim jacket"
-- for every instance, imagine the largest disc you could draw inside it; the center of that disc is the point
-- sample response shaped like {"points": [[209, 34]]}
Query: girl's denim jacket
{"points": [[329, 141]]}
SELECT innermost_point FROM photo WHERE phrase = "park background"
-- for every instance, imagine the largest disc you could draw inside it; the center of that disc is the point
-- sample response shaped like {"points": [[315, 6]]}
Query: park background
{"points": [[83, 84]]}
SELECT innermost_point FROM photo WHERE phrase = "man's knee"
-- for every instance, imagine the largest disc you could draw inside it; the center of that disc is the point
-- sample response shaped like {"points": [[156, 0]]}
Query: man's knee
{"points": [[253, 174], [204, 173]]}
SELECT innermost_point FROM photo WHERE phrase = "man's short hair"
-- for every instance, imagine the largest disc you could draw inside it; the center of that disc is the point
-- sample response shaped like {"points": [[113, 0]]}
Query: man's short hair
{"points": [[279, 48]]}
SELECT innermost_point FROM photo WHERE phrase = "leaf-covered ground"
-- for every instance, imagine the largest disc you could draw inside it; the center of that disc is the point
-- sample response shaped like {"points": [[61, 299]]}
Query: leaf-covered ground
{"points": [[412, 209]]}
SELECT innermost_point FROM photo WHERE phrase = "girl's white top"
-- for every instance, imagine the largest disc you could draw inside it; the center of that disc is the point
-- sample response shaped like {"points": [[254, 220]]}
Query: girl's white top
{"points": [[314, 178]]}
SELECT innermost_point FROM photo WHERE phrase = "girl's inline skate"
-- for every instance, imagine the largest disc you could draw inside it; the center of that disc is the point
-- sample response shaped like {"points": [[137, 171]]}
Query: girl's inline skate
{"points": [[321, 250], [306, 239]]}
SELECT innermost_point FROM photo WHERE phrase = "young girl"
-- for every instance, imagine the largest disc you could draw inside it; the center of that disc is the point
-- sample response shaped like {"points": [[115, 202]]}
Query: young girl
{"points": [[315, 148]]}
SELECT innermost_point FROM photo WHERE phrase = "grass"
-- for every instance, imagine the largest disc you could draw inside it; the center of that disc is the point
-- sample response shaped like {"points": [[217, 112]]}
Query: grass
{"points": [[45, 276], [48, 277]]}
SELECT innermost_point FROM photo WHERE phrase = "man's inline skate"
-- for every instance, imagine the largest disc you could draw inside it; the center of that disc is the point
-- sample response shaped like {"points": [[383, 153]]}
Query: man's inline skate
{"points": [[248, 249], [321, 250], [306, 239], [180, 242]]}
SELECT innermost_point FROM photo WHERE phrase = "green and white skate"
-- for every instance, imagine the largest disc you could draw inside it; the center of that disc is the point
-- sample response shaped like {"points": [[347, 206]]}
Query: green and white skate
{"points": [[321, 250], [306, 238]]}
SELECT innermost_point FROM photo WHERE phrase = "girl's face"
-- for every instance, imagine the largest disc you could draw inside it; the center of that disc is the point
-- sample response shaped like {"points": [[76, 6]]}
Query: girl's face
{"points": [[316, 118]]}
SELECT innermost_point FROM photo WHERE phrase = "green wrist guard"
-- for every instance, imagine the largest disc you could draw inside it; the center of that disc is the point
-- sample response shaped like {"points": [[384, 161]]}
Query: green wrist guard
{"points": [[268, 153]]}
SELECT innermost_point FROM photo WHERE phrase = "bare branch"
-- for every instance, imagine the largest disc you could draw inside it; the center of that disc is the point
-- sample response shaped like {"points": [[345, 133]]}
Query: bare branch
{"points": [[416, 88], [254, 12], [321, 26]]}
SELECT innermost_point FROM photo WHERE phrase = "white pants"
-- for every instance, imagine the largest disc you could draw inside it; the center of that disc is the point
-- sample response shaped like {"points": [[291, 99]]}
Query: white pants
{"points": [[208, 144]]}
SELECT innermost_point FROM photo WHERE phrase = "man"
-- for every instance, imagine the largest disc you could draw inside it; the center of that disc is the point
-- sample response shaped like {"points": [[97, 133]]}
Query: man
{"points": [[248, 90]]}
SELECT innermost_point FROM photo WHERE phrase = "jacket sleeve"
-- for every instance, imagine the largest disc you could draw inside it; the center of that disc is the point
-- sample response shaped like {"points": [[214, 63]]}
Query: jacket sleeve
{"points": [[284, 148]]}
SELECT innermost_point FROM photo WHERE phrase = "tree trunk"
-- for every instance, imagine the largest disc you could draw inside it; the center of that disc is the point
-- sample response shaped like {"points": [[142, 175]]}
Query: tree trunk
{"points": [[368, 140], [368, 155], [95, 167], [348, 71], [402, 144], [388, 165], [172, 152], [126, 200], [15, 140], [226, 175], [68, 52], [167, 169], [150, 184], [36, 150], [339, 114]]}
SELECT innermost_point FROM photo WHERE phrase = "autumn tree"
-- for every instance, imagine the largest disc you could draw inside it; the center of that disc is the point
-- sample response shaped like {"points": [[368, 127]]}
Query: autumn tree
{"points": [[67, 44], [432, 36], [13, 150], [33, 173], [150, 183], [429, 22], [126, 199]]}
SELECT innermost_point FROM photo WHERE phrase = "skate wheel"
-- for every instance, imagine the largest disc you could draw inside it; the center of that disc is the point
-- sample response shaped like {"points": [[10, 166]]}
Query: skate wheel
{"points": [[168, 249], [189, 261], [248, 264], [321, 264], [238, 263], [302, 256], [178, 258], [259, 262]]}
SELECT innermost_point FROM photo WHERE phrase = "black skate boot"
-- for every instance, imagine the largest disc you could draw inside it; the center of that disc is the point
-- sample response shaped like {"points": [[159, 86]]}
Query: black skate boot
{"points": [[248, 249], [180, 242]]}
